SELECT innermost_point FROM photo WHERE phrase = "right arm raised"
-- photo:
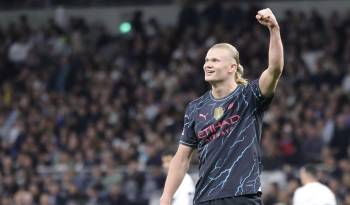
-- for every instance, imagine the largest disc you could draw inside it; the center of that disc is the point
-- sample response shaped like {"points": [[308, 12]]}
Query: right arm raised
{"points": [[177, 170]]}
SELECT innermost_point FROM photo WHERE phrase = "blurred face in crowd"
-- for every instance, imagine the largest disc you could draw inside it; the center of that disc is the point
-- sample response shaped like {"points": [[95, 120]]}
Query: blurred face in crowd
{"points": [[23, 198], [219, 65], [166, 159], [44, 199]]}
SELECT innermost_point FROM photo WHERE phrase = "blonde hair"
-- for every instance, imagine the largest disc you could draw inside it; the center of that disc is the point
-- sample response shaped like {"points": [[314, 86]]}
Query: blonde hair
{"points": [[235, 55]]}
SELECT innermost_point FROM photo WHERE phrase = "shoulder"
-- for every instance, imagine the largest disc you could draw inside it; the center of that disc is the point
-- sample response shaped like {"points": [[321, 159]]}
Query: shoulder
{"points": [[317, 187], [301, 192], [252, 84], [299, 196], [325, 193], [325, 188], [199, 101], [298, 191]]}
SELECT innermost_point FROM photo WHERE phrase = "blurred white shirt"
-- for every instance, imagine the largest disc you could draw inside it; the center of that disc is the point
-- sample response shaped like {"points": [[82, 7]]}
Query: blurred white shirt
{"points": [[314, 193], [185, 192]]}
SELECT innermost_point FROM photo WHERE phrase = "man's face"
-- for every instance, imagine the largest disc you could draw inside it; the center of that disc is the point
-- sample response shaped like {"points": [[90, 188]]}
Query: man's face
{"points": [[219, 65]]}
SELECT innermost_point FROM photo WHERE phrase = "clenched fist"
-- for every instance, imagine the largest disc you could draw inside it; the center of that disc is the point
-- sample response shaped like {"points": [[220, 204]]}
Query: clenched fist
{"points": [[267, 18]]}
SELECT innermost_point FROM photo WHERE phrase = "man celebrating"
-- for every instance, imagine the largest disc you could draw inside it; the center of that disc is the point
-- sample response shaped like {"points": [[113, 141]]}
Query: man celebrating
{"points": [[225, 125]]}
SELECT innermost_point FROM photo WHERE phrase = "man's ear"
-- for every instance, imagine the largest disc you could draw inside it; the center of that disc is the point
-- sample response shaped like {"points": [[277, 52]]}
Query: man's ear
{"points": [[233, 68]]}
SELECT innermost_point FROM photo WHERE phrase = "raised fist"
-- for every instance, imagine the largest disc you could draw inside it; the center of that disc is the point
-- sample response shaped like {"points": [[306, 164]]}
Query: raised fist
{"points": [[267, 18]]}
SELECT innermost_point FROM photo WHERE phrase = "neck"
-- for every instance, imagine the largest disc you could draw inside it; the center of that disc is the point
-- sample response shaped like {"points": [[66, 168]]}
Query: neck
{"points": [[221, 90], [307, 181]]}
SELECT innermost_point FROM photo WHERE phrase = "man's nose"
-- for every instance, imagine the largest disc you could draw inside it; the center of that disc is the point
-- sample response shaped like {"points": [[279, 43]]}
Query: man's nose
{"points": [[207, 65]]}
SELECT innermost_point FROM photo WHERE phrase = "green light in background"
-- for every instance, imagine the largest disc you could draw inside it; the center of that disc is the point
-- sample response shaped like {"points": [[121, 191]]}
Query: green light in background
{"points": [[125, 27]]}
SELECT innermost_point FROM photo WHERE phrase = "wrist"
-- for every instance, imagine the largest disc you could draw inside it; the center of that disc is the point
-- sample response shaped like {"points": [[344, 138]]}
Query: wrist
{"points": [[274, 28]]}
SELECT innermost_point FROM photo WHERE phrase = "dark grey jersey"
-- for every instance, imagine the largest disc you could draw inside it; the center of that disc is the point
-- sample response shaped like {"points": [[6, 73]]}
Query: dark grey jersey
{"points": [[227, 135]]}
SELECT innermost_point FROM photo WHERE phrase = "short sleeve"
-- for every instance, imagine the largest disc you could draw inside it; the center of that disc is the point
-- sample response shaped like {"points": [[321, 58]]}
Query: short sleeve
{"points": [[262, 102], [188, 136]]}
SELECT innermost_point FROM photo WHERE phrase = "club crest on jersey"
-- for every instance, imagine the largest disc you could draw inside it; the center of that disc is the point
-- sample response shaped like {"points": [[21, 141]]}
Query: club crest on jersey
{"points": [[218, 113]]}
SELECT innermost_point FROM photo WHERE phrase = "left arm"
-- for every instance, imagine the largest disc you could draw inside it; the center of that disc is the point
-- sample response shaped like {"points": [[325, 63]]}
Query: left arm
{"points": [[269, 78]]}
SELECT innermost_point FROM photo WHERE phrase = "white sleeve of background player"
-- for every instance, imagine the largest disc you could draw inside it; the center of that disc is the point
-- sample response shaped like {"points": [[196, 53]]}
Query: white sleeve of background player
{"points": [[185, 192]]}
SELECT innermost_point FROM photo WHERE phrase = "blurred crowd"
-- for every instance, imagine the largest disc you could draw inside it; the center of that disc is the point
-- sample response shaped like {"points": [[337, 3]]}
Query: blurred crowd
{"points": [[35, 4], [85, 114]]}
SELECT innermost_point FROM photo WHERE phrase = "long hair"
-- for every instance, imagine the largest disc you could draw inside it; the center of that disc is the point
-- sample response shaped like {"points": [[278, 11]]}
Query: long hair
{"points": [[235, 55]]}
